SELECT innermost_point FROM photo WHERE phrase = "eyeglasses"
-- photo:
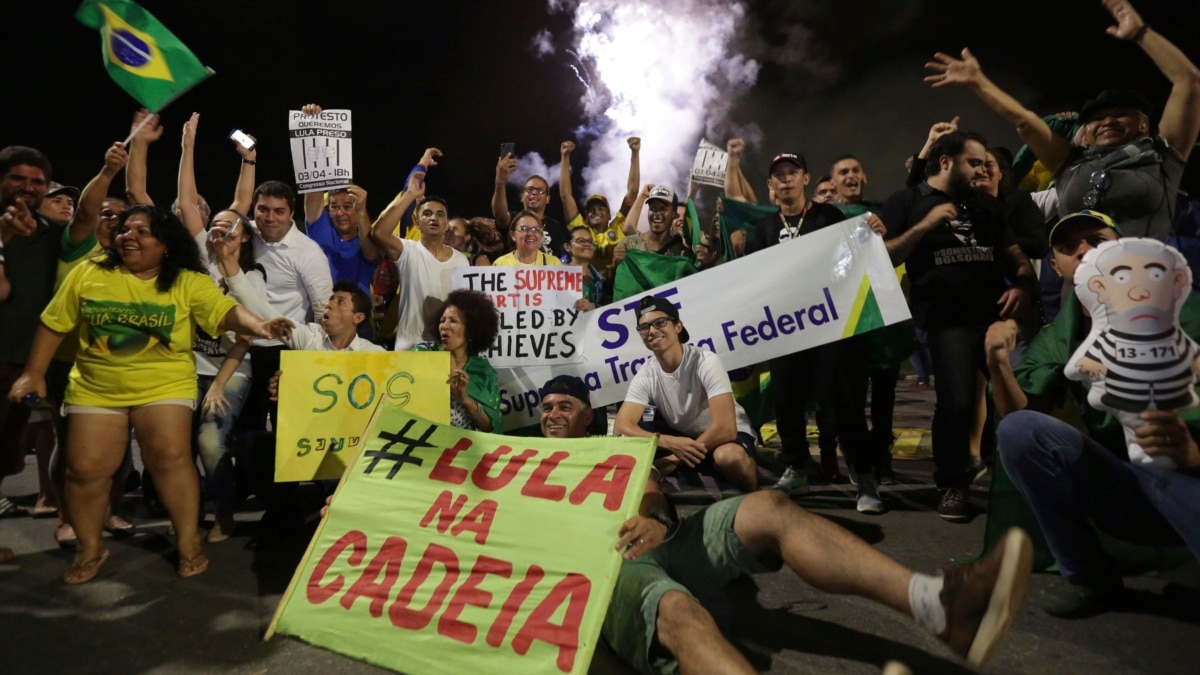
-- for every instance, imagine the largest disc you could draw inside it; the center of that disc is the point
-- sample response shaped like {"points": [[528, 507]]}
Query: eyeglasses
{"points": [[1100, 182], [535, 191], [659, 324], [526, 230], [583, 242], [106, 214]]}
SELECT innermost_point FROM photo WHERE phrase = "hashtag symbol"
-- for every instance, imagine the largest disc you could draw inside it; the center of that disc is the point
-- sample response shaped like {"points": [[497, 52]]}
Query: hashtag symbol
{"points": [[399, 459]]}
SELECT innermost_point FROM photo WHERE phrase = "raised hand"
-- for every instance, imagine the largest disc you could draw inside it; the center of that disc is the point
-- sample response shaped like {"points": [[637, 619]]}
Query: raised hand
{"points": [[735, 146], [635, 143], [360, 197], [115, 158], [416, 186], [950, 70], [504, 168], [189, 131], [250, 154], [566, 148], [310, 109], [18, 220], [941, 129], [149, 133], [1129, 22], [430, 157]]}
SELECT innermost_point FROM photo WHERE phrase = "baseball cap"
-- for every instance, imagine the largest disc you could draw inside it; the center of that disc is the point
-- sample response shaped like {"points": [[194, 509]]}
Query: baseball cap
{"points": [[596, 198], [569, 385], [662, 193], [653, 303], [59, 188], [1114, 98], [793, 157], [1058, 231]]}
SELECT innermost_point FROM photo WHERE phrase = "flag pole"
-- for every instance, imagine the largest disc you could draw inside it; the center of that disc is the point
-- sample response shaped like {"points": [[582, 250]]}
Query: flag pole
{"points": [[154, 114]]}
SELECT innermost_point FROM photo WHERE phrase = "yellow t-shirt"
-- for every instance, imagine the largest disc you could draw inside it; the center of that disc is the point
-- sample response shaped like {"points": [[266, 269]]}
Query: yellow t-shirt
{"points": [[70, 345], [606, 240], [135, 343], [510, 260]]}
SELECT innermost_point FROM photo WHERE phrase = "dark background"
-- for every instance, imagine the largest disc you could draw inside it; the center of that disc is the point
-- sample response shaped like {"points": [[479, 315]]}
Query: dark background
{"points": [[837, 76]]}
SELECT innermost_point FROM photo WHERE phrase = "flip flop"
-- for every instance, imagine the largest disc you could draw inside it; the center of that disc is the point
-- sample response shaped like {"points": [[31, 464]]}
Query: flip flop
{"points": [[44, 511], [83, 572], [67, 543], [123, 532], [11, 510], [190, 567]]}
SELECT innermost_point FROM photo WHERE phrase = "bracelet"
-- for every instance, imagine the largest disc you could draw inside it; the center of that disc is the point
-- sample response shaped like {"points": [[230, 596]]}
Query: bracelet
{"points": [[1140, 34], [251, 162]]}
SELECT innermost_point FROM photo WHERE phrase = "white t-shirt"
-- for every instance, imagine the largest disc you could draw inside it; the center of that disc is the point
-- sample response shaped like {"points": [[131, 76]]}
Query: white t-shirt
{"points": [[423, 280], [210, 359], [681, 397], [298, 276], [312, 337]]}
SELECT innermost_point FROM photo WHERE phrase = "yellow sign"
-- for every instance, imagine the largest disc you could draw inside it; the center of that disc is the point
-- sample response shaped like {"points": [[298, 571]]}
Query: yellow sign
{"points": [[452, 551], [326, 400]]}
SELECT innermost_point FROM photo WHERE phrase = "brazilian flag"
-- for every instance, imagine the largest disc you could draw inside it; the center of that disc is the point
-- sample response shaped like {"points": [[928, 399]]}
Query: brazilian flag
{"points": [[141, 54]]}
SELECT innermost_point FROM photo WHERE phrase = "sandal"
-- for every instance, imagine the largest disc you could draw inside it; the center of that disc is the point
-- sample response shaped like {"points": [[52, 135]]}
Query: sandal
{"points": [[11, 510], [123, 529], [81, 572], [190, 567], [64, 536]]}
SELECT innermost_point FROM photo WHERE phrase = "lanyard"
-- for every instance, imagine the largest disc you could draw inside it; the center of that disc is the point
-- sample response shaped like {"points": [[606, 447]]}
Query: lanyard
{"points": [[794, 232]]}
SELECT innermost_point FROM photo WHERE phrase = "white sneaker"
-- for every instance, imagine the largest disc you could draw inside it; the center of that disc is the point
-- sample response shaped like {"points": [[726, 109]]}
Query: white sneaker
{"points": [[791, 482], [868, 496]]}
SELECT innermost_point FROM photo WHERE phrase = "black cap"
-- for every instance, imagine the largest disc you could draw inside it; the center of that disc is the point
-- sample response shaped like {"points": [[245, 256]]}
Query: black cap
{"points": [[653, 303], [792, 157], [569, 385], [1114, 98]]}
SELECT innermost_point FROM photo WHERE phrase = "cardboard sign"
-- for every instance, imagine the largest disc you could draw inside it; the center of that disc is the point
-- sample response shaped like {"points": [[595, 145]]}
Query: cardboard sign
{"points": [[326, 400], [709, 167], [538, 319], [822, 287], [322, 157], [447, 551]]}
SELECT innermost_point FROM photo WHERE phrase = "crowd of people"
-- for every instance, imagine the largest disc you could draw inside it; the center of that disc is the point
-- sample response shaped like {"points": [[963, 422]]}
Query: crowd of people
{"points": [[121, 315]]}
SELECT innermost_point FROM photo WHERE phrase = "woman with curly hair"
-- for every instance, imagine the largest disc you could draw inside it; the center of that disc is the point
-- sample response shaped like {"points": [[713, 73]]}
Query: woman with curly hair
{"points": [[466, 325], [135, 310]]}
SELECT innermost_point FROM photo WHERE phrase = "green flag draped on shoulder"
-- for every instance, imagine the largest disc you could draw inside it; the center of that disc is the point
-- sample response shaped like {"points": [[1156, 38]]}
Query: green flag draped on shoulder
{"points": [[643, 270], [141, 55], [740, 216]]}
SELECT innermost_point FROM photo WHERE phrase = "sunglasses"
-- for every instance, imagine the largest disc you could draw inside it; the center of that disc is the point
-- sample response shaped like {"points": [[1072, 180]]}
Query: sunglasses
{"points": [[1100, 182]]}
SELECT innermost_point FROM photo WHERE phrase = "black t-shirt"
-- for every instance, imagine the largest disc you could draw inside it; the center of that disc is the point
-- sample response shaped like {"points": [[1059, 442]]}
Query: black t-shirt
{"points": [[774, 228], [30, 264], [954, 270]]}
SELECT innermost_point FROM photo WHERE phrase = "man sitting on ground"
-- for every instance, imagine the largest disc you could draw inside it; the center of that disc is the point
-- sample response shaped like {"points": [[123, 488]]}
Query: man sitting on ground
{"points": [[655, 623], [1077, 482]]}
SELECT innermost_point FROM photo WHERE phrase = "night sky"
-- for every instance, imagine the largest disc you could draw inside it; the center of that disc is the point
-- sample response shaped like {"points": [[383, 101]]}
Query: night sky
{"points": [[836, 77]]}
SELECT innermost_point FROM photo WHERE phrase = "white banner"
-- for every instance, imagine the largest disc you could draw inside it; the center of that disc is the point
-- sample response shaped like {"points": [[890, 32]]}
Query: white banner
{"points": [[539, 325], [819, 288], [321, 154], [709, 167]]}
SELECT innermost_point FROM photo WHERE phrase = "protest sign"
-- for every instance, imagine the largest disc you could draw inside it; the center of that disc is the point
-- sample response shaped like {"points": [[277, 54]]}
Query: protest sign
{"points": [[322, 157], [709, 167], [833, 283], [448, 551], [538, 319], [326, 400]]}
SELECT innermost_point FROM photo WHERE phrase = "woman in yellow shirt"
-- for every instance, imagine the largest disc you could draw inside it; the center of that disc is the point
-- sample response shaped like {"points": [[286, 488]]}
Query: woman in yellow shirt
{"points": [[135, 310], [526, 231]]}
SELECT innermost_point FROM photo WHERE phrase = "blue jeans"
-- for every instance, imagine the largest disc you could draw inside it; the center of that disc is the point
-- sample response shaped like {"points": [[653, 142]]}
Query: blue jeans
{"points": [[214, 442], [1073, 483]]}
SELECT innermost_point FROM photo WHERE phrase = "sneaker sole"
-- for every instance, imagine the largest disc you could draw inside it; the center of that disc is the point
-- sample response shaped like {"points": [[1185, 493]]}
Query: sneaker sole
{"points": [[1011, 584], [870, 509], [958, 518]]}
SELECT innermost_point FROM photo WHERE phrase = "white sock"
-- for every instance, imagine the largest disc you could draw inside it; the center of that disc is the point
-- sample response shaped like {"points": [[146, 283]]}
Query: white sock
{"points": [[923, 596]]}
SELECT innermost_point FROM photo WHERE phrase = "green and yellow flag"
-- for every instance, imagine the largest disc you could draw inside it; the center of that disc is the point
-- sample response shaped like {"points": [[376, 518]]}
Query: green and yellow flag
{"points": [[141, 55]]}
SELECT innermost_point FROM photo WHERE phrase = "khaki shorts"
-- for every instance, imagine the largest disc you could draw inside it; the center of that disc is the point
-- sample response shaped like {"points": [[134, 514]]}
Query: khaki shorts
{"points": [[704, 554], [189, 403]]}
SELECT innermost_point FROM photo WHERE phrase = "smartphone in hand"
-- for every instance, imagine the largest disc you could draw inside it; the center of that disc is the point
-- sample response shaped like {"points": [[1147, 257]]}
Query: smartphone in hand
{"points": [[507, 149], [242, 139]]}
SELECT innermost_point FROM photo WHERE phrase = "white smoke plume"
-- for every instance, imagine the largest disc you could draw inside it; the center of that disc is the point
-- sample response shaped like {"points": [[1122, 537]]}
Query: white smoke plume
{"points": [[543, 44], [664, 70]]}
